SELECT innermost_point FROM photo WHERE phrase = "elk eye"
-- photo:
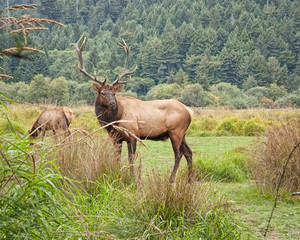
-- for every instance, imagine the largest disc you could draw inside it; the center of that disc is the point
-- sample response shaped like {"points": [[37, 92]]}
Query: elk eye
{"points": [[102, 93]]}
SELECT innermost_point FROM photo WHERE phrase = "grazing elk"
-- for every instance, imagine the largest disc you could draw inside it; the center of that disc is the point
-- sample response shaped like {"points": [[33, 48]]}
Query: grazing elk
{"points": [[52, 119], [155, 120]]}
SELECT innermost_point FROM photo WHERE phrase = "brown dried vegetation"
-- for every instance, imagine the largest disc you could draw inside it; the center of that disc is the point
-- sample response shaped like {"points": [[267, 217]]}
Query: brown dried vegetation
{"points": [[271, 154]]}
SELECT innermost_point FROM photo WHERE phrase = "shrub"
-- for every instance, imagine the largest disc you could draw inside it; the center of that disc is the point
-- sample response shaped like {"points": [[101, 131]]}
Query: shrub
{"points": [[258, 92], [291, 100], [194, 95], [227, 125], [234, 126], [164, 91], [267, 102], [18, 91], [231, 95], [277, 92], [84, 93], [208, 123], [252, 128], [271, 154]]}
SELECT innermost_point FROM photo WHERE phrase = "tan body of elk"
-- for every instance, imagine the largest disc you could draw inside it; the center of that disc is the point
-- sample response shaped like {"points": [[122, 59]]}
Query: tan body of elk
{"points": [[155, 120], [52, 119]]}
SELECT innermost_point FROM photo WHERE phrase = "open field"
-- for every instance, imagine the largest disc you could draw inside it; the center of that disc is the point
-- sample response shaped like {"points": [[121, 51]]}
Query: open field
{"points": [[74, 196]]}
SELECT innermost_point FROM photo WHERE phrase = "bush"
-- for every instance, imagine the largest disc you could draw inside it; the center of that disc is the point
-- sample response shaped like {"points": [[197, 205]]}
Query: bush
{"points": [[252, 128], [208, 123], [231, 95], [227, 125], [259, 92], [271, 154], [18, 91], [291, 100], [234, 126], [241, 127], [84, 93], [194, 95], [164, 91], [267, 102], [277, 92]]}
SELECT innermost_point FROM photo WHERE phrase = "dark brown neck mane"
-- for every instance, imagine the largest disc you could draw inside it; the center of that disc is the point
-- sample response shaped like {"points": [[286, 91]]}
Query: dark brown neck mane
{"points": [[105, 115]]}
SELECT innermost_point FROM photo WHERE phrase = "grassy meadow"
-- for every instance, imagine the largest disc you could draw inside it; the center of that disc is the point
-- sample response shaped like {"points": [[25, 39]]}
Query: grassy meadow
{"points": [[73, 188]]}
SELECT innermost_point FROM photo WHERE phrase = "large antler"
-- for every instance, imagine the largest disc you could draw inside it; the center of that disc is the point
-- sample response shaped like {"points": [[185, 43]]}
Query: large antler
{"points": [[125, 71], [81, 65]]}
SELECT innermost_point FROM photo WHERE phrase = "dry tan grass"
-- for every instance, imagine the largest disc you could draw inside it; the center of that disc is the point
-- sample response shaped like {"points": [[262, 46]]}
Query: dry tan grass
{"points": [[181, 198], [271, 154], [83, 157]]}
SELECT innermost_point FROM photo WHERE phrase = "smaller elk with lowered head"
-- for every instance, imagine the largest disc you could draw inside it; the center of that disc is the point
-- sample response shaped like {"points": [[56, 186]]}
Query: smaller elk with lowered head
{"points": [[52, 119], [155, 120]]}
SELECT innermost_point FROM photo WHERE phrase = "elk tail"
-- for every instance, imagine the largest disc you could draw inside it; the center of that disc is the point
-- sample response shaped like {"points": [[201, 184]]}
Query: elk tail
{"points": [[67, 120], [191, 112]]}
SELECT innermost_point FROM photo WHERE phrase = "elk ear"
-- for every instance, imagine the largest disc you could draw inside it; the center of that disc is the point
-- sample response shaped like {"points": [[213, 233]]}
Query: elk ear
{"points": [[96, 87], [119, 88]]}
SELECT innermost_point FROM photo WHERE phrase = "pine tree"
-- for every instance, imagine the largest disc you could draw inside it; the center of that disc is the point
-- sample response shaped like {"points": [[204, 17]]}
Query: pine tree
{"points": [[170, 57], [258, 68], [149, 58], [186, 33]]}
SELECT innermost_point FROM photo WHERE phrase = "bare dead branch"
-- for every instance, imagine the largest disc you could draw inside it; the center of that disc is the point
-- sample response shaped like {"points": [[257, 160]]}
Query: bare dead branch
{"points": [[29, 29], [5, 76], [22, 6], [16, 50]]}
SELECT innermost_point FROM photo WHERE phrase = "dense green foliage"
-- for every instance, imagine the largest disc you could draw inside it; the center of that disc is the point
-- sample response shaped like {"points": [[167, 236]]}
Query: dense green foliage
{"points": [[246, 44]]}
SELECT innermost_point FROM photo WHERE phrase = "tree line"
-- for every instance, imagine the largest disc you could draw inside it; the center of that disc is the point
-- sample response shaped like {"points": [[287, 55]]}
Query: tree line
{"points": [[250, 46], [59, 91]]}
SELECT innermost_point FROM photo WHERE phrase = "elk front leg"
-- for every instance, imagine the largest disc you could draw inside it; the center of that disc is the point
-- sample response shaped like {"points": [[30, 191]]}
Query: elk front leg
{"points": [[118, 149], [131, 145]]}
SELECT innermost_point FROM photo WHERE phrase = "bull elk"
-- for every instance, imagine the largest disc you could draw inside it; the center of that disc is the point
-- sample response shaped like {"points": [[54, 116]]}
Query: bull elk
{"points": [[155, 120], [52, 119]]}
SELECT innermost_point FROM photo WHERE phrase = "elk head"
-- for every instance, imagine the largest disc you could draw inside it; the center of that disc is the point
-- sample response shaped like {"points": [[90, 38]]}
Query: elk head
{"points": [[106, 92]]}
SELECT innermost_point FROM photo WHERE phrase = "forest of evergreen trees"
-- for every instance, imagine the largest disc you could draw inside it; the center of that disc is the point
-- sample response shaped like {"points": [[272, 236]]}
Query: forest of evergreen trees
{"points": [[239, 53]]}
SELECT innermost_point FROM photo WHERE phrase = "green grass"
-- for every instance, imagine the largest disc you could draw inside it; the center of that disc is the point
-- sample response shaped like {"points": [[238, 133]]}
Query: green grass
{"points": [[46, 204], [163, 159], [254, 208], [223, 160]]}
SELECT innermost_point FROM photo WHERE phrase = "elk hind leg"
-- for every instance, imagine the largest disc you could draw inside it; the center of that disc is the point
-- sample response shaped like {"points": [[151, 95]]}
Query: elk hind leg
{"points": [[188, 154], [176, 143]]}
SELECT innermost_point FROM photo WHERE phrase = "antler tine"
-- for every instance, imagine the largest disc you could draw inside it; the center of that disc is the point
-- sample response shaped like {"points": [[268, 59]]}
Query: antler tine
{"points": [[81, 66], [125, 72]]}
